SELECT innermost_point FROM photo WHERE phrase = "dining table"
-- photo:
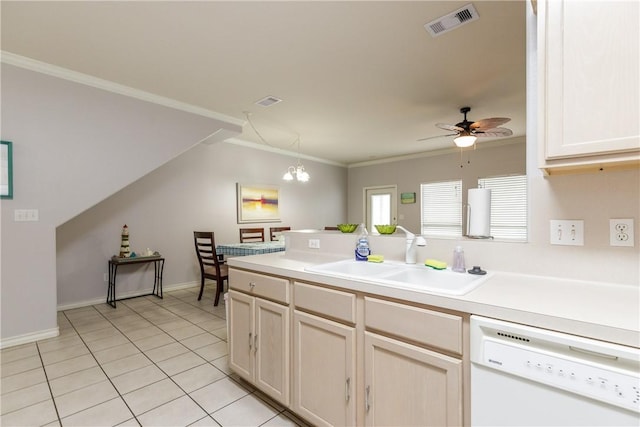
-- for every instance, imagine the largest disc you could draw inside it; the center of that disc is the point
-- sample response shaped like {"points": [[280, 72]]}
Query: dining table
{"points": [[249, 248]]}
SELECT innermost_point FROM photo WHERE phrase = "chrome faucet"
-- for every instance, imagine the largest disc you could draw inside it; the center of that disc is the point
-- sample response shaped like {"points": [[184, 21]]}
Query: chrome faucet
{"points": [[412, 242]]}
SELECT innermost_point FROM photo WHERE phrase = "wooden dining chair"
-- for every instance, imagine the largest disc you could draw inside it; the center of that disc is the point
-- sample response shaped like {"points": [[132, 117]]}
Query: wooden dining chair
{"points": [[210, 265], [276, 232], [251, 235]]}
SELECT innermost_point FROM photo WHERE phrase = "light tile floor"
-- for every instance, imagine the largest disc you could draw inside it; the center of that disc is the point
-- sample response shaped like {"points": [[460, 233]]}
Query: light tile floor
{"points": [[149, 362]]}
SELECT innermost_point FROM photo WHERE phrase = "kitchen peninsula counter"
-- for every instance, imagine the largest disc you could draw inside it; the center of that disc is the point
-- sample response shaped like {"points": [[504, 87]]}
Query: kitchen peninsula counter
{"points": [[602, 311]]}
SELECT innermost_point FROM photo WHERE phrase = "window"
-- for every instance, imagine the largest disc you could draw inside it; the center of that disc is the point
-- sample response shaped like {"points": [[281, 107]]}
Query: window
{"points": [[441, 209], [508, 206]]}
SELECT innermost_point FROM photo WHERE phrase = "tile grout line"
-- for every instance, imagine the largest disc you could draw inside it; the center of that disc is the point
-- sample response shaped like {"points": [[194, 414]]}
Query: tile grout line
{"points": [[153, 362]]}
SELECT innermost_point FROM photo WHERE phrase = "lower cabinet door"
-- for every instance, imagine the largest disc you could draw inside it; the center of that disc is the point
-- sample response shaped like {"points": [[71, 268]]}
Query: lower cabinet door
{"points": [[406, 385], [324, 371], [271, 335], [241, 338]]}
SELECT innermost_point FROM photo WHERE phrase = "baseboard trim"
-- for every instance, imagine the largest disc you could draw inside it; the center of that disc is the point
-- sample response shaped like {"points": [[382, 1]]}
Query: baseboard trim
{"points": [[54, 332], [30, 337], [80, 304]]}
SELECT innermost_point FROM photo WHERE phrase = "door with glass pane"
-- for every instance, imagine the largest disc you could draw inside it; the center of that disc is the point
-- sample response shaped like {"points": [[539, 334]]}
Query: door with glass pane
{"points": [[381, 205]]}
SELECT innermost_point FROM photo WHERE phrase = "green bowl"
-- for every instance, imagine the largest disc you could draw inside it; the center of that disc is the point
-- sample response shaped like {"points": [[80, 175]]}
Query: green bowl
{"points": [[386, 229], [347, 228]]}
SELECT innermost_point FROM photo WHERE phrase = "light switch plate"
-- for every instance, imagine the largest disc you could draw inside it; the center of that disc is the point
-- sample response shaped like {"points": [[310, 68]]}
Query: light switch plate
{"points": [[568, 232], [26, 215]]}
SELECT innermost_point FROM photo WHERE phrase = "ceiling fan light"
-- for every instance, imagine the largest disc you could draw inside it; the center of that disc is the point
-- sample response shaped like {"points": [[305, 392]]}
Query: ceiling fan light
{"points": [[465, 141]]}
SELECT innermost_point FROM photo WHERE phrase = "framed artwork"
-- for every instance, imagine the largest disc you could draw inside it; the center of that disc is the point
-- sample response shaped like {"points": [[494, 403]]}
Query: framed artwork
{"points": [[258, 203], [406, 198], [6, 170]]}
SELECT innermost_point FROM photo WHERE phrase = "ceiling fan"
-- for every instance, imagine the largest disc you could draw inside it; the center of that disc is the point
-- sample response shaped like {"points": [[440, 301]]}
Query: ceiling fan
{"points": [[466, 131]]}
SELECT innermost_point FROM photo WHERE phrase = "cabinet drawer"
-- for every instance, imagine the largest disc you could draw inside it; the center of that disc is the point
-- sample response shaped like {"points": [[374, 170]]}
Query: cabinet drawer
{"points": [[432, 328], [327, 302], [273, 288]]}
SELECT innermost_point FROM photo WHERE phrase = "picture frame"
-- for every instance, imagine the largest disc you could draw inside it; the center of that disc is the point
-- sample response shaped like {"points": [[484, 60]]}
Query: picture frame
{"points": [[258, 203], [407, 198], [6, 170]]}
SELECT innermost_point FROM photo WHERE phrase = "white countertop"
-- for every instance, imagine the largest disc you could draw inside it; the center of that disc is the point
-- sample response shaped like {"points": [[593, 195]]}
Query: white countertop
{"points": [[602, 311]]}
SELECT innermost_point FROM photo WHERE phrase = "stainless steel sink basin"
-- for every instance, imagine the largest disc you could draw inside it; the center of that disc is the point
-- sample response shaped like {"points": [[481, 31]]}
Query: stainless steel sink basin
{"points": [[400, 275]]}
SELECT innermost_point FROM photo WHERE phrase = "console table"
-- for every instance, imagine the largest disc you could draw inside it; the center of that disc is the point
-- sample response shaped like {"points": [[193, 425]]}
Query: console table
{"points": [[115, 262]]}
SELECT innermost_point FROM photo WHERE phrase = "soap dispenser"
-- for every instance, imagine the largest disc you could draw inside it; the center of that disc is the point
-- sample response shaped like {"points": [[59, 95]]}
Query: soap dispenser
{"points": [[362, 245], [458, 260]]}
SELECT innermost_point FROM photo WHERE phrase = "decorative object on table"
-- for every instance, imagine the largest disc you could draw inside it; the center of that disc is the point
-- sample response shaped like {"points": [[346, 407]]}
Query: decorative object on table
{"points": [[407, 198], [258, 203], [386, 228], [347, 228], [124, 244], [6, 170]]}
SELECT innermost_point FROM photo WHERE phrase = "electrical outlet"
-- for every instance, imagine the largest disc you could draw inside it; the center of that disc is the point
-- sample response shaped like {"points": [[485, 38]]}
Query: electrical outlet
{"points": [[566, 232], [621, 232], [314, 243]]}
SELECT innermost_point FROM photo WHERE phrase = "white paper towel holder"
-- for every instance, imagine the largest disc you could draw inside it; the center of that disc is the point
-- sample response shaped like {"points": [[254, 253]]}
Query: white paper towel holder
{"points": [[487, 226]]}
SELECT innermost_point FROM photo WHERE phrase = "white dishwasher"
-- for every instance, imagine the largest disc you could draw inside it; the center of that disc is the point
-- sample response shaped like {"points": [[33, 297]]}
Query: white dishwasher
{"points": [[525, 376]]}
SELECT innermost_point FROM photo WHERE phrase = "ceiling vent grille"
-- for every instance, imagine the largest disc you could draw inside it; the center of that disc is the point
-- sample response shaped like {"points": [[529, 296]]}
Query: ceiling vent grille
{"points": [[268, 101], [452, 21]]}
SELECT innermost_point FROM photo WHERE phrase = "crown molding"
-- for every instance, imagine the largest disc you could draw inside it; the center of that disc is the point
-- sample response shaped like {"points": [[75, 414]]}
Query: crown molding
{"points": [[256, 146], [442, 152], [88, 80]]}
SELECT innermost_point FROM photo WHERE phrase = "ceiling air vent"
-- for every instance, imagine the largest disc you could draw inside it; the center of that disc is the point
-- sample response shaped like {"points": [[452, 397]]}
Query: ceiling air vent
{"points": [[268, 101], [452, 20]]}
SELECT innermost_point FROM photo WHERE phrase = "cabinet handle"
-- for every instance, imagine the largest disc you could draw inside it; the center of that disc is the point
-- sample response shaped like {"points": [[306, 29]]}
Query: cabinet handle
{"points": [[255, 343], [348, 389], [250, 342], [367, 406], [252, 285]]}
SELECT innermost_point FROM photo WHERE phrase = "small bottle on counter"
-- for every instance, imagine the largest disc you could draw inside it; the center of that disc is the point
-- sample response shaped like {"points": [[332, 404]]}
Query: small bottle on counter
{"points": [[362, 245], [458, 260]]}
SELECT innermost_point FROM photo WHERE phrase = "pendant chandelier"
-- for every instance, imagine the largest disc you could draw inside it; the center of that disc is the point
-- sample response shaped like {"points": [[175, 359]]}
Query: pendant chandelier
{"points": [[293, 172], [297, 171]]}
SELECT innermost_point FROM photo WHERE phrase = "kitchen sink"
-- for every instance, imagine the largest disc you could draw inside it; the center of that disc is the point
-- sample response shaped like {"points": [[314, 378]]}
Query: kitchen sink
{"points": [[351, 268], [400, 275]]}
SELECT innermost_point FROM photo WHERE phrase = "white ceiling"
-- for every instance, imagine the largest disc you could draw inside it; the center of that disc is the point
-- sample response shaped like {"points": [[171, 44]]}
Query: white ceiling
{"points": [[359, 80]]}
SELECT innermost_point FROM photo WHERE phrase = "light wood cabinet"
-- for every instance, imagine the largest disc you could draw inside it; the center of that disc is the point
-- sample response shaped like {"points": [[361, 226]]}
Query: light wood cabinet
{"points": [[413, 366], [324, 361], [406, 385], [588, 85], [324, 370], [259, 340], [349, 358]]}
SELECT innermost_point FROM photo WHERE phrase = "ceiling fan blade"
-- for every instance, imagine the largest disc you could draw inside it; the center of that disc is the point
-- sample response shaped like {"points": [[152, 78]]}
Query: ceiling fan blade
{"points": [[491, 123], [495, 132], [446, 126], [439, 136]]}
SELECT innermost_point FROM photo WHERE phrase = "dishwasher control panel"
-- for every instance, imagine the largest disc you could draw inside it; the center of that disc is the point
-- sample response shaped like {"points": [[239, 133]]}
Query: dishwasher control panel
{"points": [[615, 387]]}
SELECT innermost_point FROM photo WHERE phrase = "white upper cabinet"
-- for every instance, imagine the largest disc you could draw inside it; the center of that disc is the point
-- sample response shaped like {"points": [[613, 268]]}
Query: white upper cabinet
{"points": [[589, 84]]}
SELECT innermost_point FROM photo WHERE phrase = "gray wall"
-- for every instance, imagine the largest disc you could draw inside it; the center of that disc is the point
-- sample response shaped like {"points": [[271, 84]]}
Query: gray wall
{"points": [[196, 191], [73, 145], [501, 159]]}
